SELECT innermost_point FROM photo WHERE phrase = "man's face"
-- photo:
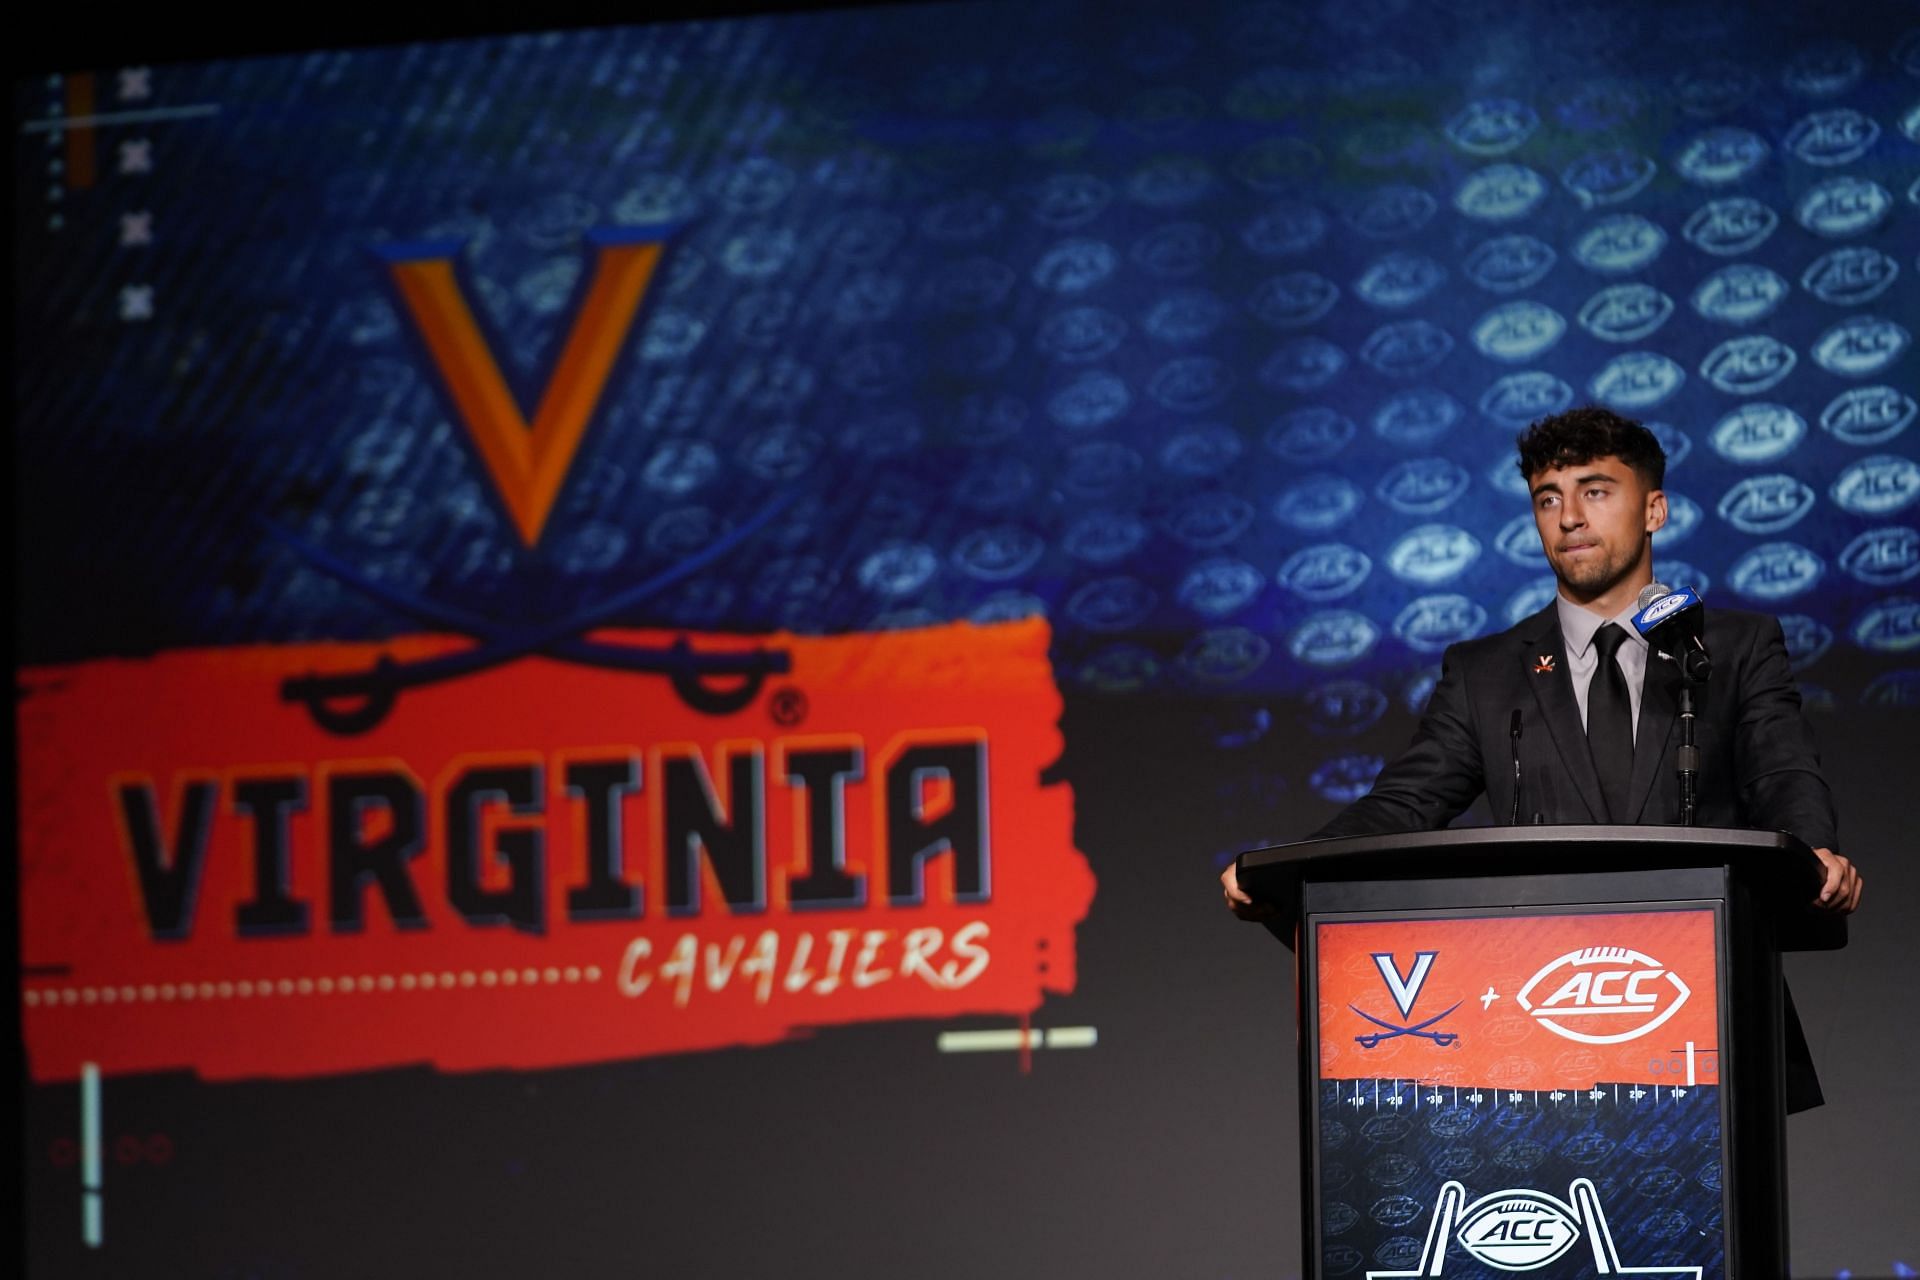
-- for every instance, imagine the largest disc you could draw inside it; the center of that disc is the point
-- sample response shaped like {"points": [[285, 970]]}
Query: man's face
{"points": [[1594, 520]]}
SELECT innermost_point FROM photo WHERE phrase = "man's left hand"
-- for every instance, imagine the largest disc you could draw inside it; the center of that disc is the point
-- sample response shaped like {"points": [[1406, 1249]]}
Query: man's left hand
{"points": [[1841, 891]]}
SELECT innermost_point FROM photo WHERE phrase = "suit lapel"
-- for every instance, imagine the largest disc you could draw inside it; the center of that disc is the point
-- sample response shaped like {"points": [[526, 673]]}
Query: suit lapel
{"points": [[1659, 709], [1544, 658]]}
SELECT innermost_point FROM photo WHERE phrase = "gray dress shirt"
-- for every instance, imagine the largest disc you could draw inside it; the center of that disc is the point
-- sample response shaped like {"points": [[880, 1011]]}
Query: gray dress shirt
{"points": [[1577, 626]]}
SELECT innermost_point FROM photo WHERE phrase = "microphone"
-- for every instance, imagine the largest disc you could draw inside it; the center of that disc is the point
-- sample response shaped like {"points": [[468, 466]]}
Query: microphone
{"points": [[1513, 730], [1673, 620]]}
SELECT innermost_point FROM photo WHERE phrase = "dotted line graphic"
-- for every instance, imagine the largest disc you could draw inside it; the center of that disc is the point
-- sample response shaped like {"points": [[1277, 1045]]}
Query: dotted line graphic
{"points": [[345, 984]]}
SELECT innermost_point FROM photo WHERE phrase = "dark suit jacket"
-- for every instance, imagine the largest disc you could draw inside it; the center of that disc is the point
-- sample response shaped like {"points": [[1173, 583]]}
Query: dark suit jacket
{"points": [[1758, 765]]}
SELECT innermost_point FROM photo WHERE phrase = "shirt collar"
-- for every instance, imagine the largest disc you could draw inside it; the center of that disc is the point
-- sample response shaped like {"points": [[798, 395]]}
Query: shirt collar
{"points": [[1579, 623]]}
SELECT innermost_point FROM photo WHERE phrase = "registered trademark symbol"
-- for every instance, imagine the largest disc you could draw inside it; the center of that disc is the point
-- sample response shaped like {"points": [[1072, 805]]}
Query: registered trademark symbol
{"points": [[788, 707]]}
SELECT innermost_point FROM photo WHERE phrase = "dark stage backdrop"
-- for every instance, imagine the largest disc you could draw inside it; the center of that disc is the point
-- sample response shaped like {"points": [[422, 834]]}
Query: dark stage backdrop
{"points": [[637, 648]]}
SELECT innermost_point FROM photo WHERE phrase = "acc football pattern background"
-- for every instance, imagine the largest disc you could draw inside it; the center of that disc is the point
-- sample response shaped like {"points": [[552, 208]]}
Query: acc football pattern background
{"points": [[1205, 338]]}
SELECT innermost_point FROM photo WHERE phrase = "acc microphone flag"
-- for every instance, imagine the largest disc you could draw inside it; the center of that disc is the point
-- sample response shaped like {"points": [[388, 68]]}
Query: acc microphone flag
{"points": [[539, 865]]}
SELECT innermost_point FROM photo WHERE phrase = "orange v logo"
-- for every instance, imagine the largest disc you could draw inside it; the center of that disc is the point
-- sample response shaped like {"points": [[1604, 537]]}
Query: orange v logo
{"points": [[528, 463]]}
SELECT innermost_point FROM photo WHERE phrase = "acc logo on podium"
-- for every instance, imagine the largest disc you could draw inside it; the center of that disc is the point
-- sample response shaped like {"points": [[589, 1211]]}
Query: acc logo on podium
{"points": [[1518, 1231], [1608, 995], [1521, 1229]]}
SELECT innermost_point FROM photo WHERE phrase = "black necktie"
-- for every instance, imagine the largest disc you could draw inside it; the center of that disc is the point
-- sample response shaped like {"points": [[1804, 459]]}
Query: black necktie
{"points": [[1610, 723]]}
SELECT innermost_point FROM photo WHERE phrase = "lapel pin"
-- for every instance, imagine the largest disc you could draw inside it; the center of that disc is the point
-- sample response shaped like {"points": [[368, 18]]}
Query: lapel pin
{"points": [[1544, 666]]}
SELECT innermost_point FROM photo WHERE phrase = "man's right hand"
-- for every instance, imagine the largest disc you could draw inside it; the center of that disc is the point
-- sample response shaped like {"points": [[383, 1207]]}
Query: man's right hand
{"points": [[1238, 900], [1840, 891]]}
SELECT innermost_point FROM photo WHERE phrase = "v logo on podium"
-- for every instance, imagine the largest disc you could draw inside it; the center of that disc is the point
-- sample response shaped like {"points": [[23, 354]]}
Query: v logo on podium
{"points": [[1405, 988]]}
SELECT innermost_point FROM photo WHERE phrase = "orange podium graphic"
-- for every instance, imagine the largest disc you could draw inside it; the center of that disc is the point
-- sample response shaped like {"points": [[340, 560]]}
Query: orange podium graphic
{"points": [[1561, 1001]]}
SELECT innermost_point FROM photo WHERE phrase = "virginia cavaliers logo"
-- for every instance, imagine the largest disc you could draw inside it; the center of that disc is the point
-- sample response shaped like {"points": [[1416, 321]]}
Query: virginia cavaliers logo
{"points": [[527, 462], [1405, 990]]}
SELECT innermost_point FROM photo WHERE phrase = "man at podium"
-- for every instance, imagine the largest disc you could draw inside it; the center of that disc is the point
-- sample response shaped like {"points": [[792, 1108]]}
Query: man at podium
{"points": [[1572, 716]]}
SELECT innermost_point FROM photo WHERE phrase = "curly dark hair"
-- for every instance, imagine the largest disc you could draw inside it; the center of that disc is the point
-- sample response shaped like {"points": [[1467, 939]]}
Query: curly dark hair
{"points": [[1589, 432]]}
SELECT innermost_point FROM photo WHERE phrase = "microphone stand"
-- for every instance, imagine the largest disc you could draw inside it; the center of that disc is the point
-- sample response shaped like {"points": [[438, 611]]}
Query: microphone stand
{"points": [[1695, 667], [1513, 729]]}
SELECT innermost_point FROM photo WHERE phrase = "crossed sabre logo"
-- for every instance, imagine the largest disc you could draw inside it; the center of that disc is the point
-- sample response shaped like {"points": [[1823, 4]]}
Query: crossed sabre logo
{"points": [[1405, 990], [527, 463]]}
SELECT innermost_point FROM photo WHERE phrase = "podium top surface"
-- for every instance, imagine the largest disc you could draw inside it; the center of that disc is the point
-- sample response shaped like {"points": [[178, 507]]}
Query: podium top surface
{"points": [[1412, 851], [1780, 868]]}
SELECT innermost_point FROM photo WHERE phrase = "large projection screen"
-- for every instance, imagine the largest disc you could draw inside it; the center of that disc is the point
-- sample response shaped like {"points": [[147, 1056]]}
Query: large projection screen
{"points": [[637, 646]]}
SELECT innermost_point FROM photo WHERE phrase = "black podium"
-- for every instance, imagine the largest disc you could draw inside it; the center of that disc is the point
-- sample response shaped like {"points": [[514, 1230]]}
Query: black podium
{"points": [[1550, 1050]]}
